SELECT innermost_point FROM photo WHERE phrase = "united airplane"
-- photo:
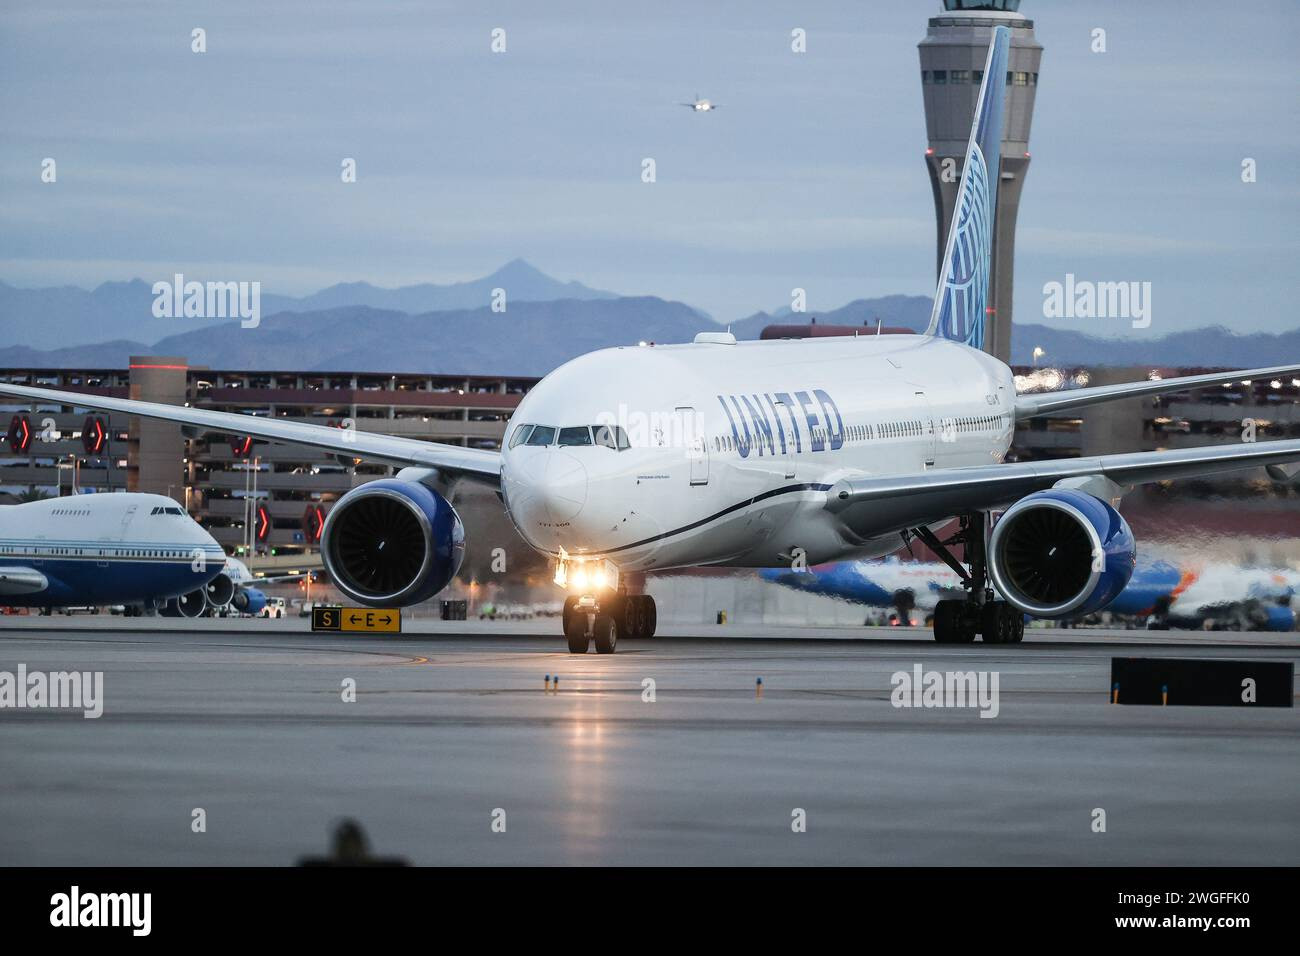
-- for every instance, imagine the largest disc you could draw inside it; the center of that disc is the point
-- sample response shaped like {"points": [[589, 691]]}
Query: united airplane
{"points": [[137, 550], [761, 454]]}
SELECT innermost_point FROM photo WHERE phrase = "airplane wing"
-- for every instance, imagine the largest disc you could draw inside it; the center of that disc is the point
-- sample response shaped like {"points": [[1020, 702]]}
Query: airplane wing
{"points": [[1045, 403], [928, 497], [452, 460]]}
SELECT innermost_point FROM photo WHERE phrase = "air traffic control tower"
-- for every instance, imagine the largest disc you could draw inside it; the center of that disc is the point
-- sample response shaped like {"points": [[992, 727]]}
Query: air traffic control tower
{"points": [[952, 66]]}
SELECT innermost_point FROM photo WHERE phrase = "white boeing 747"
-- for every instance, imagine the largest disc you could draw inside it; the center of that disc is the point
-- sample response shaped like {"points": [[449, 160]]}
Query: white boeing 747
{"points": [[759, 454], [138, 550]]}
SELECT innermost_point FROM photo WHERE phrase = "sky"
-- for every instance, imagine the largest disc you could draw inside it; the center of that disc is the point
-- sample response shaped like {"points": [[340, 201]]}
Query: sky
{"points": [[226, 164]]}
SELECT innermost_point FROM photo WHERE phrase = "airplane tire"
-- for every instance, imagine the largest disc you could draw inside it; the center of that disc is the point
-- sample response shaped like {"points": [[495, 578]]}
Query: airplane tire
{"points": [[948, 625], [638, 616], [570, 603], [605, 634], [992, 623], [1002, 624], [631, 615], [575, 630]]}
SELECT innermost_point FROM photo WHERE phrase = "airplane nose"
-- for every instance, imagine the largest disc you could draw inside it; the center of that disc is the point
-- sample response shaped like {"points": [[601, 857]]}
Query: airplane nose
{"points": [[551, 488], [564, 487]]}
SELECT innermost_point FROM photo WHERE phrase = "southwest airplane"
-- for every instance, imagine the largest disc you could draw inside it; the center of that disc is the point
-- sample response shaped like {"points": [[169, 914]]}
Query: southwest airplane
{"points": [[1167, 593], [758, 454], [136, 550]]}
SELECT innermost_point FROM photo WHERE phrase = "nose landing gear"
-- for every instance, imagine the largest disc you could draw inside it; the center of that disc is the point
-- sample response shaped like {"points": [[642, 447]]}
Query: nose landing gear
{"points": [[603, 621]]}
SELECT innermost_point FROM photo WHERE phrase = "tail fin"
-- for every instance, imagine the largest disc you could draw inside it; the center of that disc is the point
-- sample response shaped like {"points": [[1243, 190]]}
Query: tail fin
{"points": [[961, 300]]}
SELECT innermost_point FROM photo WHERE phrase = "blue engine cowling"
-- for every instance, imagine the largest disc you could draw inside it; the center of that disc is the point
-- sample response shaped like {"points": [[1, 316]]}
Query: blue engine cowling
{"points": [[392, 543], [248, 601], [1061, 553]]}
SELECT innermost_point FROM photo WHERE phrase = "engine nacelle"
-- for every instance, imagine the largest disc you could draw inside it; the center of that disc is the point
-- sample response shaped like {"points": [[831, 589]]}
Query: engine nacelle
{"points": [[248, 601], [392, 543], [221, 590], [190, 604], [1061, 553]]}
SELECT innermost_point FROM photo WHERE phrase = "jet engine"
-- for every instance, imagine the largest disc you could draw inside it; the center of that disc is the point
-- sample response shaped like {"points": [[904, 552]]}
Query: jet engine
{"points": [[392, 542], [220, 590], [248, 601], [1061, 553], [190, 604]]}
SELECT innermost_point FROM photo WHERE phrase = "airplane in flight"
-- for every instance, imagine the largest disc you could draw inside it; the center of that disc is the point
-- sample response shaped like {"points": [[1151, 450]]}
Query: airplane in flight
{"points": [[1160, 592], [701, 106], [760, 454], [138, 550]]}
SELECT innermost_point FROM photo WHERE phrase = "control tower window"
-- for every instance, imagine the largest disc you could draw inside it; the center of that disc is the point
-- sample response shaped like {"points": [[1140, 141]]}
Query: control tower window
{"points": [[1021, 78], [959, 77], [940, 77], [925, 76], [1011, 6]]}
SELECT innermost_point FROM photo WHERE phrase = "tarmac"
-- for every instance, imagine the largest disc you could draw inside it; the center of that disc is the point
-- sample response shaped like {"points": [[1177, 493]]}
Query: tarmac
{"points": [[455, 751]]}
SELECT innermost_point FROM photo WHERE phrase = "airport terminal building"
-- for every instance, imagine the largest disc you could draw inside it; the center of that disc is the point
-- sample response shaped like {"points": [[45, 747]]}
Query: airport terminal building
{"points": [[246, 493], [272, 499]]}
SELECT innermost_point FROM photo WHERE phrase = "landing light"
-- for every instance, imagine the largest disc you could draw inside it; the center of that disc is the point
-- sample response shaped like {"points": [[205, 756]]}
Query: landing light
{"points": [[582, 576]]}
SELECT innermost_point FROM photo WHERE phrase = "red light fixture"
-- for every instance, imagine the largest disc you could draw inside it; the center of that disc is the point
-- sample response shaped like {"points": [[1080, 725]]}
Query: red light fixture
{"points": [[20, 434], [313, 523], [93, 435]]}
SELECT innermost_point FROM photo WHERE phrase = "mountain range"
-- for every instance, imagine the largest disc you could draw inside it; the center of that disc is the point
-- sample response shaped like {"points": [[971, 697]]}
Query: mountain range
{"points": [[451, 329], [67, 316]]}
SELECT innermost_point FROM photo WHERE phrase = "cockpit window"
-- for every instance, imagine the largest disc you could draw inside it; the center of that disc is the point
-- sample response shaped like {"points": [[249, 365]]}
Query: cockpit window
{"points": [[575, 435], [541, 435], [611, 436], [520, 434]]}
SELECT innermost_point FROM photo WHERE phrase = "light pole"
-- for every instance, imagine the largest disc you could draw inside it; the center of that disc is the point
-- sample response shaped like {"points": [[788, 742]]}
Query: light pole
{"points": [[253, 506]]}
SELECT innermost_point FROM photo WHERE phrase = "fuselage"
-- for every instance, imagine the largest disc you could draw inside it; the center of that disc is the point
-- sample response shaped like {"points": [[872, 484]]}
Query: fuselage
{"points": [[1156, 586], [102, 549], [720, 453]]}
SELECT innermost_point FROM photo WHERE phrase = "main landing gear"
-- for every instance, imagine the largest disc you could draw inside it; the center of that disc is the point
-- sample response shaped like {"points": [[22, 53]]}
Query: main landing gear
{"points": [[603, 621], [958, 621]]}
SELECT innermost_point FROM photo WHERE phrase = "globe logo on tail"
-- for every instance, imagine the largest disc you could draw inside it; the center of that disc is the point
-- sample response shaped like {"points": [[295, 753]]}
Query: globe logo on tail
{"points": [[965, 291]]}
